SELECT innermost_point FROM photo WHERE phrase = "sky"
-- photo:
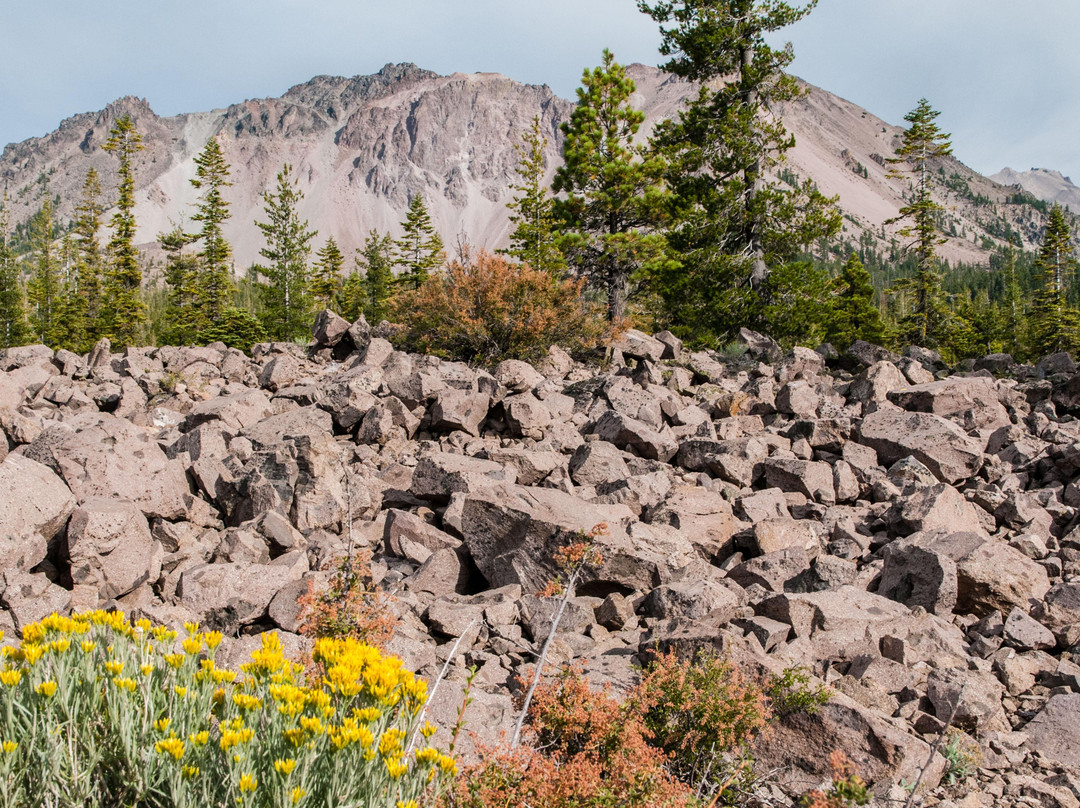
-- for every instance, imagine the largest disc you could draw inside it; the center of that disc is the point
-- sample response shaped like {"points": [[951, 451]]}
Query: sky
{"points": [[1004, 74]]}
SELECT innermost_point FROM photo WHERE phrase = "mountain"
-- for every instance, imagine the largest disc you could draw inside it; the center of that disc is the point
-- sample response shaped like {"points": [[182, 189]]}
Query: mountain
{"points": [[1044, 184], [363, 146]]}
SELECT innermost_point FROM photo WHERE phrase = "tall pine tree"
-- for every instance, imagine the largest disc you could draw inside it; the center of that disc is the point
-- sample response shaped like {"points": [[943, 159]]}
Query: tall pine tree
{"points": [[13, 329], [215, 288], [420, 249], [735, 224], [183, 319], [928, 322], [44, 289], [615, 196], [370, 287], [1054, 322], [124, 309], [287, 293], [533, 240], [82, 308], [326, 277]]}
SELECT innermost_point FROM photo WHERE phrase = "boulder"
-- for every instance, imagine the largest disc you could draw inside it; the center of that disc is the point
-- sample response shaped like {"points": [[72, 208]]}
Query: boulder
{"points": [[1053, 730], [329, 329], [109, 546], [635, 436], [937, 443], [876, 382], [704, 517], [226, 597], [1060, 612], [772, 535], [30, 597], [438, 475], [790, 474], [938, 507], [972, 402], [34, 509], [455, 410], [101, 456]]}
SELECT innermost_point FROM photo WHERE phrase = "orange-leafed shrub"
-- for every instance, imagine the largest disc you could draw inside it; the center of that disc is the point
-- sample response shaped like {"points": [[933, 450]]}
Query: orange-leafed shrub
{"points": [[847, 790], [588, 751], [487, 309], [349, 608]]}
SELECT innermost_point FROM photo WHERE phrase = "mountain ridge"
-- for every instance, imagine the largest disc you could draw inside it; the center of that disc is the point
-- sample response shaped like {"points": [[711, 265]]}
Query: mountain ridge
{"points": [[363, 146]]}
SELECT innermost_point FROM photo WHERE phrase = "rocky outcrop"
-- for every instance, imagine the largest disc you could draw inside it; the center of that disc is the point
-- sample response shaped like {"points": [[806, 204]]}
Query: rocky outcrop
{"points": [[913, 544]]}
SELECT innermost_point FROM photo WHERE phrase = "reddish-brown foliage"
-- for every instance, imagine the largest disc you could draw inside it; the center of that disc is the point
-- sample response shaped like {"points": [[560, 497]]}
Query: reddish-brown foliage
{"points": [[589, 752], [847, 788], [348, 607], [488, 309]]}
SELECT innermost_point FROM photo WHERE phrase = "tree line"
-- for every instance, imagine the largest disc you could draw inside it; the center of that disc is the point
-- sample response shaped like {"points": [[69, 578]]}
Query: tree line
{"points": [[698, 229]]}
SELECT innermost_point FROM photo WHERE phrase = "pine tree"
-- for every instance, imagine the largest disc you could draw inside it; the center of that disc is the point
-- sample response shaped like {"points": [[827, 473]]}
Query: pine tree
{"points": [[854, 315], [287, 293], [183, 319], [1015, 319], [533, 241], [13, 329], [326, 279], [1054, 322], [734, 224], [124, 310], [215, 287], [923, 141], [81, 319], [44, 289], [615, 194], [420, 249], [369, 289]]}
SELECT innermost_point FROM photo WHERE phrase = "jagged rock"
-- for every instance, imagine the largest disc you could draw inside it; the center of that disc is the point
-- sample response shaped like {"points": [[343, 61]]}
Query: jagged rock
{"points": [[939, 444], [760, 346], [702, 516], [280, 372], [228, 596], [773, 571], [876, 382], [329, 329], [1060, 612], [439, 475], [916, 575], [34, 509], [408, 536], [1026, 633], [1053, 730], [459, 410], [101, 456], [109, 546], [526, 415], [29, 597], [868, 353], [513, 532], [940, 506], [636, 436], [798, 398], [813, 479], [975, 697], [691, 599], [236, 412], [972, 402]]}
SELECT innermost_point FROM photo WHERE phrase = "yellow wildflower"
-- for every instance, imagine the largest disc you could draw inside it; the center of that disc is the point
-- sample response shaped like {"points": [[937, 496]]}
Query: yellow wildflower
{"points": [[46, 689], [427, 755], [126, 684], [395, 768], [170, 746], [199, 738], [213, 639], [87, 646], [284, 767], [10, 678], [146, 669], [174, 660], [190, 772], [248, 783], [60, 646], [191, 628], [192, 645], [296, 795], [115, 667], [9, 747], [448, 765], [162, 724], [180, 691]]}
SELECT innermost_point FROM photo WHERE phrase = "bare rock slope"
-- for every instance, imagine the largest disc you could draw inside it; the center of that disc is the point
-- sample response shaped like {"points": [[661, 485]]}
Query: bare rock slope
{"points": [[362, 147], [909, 536]]}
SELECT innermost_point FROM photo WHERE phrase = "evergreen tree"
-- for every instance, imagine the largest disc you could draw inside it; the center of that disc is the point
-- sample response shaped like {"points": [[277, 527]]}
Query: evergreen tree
{"points": [[615, 194], [44, 289], [923, 141], [326, 279], [215, 286], [1014, 316], [82, 324], [183, 319], [533, 241], [420, 249], [369, 289], [1054, 322], [734, 223], [287, 293], [854, 315], [124, 310], [13, 329]]}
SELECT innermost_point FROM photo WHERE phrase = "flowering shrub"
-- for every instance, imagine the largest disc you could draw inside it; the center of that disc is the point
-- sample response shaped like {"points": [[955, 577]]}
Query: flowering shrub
{"points": [[98, 712], [847, 789], [488, 309]]}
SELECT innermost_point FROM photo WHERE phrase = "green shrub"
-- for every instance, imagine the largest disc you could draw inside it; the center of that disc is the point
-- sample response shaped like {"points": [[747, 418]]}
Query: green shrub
{"points": [[791, 692], [97, 712]]}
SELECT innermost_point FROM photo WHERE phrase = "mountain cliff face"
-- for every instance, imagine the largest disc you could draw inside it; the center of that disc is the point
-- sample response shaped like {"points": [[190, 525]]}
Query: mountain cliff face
{"points": [[362, 147], [1042, 183]]}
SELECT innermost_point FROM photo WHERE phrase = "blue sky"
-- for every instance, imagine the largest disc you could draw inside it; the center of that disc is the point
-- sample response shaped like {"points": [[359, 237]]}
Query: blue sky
{"points": [[1003, 74]]}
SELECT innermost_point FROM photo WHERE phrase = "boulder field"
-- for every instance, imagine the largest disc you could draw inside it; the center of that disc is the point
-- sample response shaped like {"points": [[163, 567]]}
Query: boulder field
{"points": [[908, 533]]}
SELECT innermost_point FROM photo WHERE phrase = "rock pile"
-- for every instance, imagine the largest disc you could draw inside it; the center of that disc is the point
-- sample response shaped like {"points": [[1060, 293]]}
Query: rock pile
{"points": [[910, 536]]}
